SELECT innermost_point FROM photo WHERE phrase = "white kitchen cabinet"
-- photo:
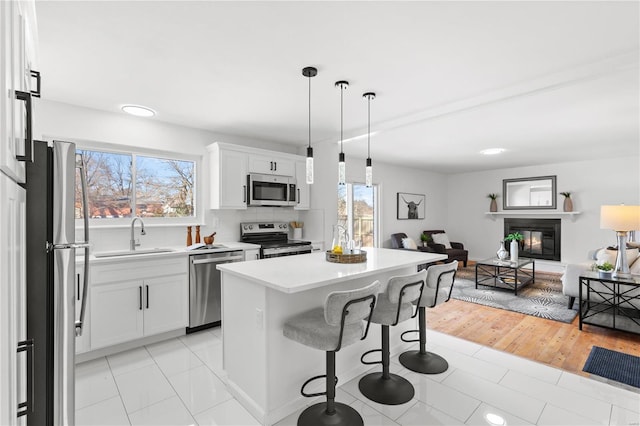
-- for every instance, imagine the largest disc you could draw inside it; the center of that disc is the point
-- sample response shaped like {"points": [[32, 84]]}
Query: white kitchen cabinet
{"points": [[271, 165], [252, 254], [134, 299], [302, 187], [228, 177], [162, 308], [12, 298], [17, 57]]}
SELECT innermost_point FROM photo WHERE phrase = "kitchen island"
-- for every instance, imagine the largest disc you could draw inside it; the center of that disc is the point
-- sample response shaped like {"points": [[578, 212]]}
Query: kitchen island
{"points": [[265, 370]]}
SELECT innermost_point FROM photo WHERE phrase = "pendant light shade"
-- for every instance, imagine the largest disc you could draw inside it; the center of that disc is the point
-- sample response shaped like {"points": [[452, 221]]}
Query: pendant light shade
{"points": [[369, 169], [341, 165], [309, 72]]}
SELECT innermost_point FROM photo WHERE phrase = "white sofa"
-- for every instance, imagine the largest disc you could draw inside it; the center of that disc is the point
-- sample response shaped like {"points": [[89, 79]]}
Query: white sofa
{"points": [[571, 277]]}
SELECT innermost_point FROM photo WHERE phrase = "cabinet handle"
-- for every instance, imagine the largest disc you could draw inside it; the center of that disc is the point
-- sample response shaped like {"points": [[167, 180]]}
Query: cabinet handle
{"points": [[275, 166], [271, 165], [26, 407], [244, 193], [78, 285], [140, 297], [147, 296], [298, 195], [36, 93], [28, 137], [257, 256]]}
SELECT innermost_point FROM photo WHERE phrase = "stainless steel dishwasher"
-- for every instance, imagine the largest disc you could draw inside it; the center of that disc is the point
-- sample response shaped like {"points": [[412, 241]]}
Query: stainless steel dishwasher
{"points": [[204, 287]]}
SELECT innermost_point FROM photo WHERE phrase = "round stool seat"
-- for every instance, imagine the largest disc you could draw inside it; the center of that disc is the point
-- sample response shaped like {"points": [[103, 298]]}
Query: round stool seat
{"points": [[311, 329]]}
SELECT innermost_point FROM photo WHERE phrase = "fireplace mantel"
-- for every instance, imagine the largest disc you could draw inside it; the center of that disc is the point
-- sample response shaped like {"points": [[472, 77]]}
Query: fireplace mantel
{"points": [[533, 213]]}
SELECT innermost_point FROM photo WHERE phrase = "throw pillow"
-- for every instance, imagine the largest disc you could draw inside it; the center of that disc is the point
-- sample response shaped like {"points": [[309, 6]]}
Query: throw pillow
{"points": [[608, 255], [441, 239], [408, 243]]}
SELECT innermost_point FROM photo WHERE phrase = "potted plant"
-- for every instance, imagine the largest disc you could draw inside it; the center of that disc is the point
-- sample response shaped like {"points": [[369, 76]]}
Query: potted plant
{"points": [[568, 203], [493, 207], [515, 238], [425, 238], [605, 270]]}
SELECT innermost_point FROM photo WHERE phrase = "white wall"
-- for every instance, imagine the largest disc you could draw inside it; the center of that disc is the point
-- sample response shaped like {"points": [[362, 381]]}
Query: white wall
{"points": [[69, 122], [591, 183]]}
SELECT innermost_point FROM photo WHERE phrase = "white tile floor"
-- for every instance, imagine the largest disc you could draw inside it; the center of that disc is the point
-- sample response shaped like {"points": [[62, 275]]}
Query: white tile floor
{"points": [[177, 382]]}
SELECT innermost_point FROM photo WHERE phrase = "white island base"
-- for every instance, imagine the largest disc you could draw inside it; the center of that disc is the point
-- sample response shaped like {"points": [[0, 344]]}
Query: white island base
{"points": [[264, 369]]}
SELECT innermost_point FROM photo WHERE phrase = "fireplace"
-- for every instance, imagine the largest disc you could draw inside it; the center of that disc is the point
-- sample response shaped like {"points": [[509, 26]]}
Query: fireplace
{"points": [[541, 237]]}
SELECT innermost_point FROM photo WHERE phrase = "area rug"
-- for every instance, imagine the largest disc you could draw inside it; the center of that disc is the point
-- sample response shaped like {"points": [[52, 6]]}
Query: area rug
{"points": [[613, 365], [543, 299]]}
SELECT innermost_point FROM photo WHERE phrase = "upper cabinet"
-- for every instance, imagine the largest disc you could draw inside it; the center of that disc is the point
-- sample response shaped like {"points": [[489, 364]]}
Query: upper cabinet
{"points": [[228, 174], [229, 166], [18, 48], [271, 165]]}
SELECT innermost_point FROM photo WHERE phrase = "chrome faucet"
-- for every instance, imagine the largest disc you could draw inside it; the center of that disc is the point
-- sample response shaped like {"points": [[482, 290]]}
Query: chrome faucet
{"points": [[132, 241]]}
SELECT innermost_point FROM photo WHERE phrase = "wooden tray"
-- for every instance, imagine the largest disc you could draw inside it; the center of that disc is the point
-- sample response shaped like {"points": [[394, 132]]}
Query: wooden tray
{"points": [[347, 257]]}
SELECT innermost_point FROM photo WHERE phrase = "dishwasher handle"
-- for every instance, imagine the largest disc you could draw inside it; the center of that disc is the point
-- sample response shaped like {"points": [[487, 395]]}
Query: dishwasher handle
{"points": [[217, 260]]}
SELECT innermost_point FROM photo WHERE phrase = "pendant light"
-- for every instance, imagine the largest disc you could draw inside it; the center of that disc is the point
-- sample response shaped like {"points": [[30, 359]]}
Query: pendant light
{"points": [[309, 72], [369, 169], [341, 166]]}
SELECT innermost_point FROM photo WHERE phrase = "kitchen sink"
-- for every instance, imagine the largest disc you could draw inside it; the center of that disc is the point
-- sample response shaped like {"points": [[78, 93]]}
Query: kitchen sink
{"points": [[132, 252]]}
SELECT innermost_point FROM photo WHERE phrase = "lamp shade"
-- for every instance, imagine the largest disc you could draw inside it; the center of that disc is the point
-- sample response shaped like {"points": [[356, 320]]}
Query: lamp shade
{"points": [[620, 217]]}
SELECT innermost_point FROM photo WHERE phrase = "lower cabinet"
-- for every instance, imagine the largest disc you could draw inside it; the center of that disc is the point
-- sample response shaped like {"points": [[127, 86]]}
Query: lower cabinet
{"points": [[146, 298], [252, 254]]}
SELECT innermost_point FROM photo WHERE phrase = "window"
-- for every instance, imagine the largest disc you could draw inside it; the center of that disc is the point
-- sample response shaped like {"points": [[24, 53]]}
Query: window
{"points": [[358, 212], [116, 182]]}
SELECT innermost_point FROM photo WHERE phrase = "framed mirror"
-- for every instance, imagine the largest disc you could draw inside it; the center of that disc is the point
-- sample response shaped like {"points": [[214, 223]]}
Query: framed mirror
{"points": [[529, 193]]}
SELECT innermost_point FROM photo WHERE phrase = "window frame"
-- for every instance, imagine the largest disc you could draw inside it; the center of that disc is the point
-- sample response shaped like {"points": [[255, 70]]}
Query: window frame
{"points": [[197, 218], [377, 217]]}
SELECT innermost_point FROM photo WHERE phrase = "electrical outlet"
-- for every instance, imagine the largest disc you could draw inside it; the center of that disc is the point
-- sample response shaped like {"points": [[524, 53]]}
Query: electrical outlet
{"points": [[259, 319]]}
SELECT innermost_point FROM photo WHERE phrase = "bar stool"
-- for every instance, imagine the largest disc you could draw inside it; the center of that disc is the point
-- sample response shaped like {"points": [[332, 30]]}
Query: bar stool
{"points": [[339, 323], [437, 290], [392, 307]]}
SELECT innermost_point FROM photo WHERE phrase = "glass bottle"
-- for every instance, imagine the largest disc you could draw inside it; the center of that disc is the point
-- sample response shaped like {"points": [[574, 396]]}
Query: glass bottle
{"points": [[502, 252]]}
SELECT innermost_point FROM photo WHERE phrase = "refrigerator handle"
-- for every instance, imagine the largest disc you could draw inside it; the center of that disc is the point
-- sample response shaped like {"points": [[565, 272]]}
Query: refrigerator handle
{"points": [[85, 214], [28, 137], [26, 407]]}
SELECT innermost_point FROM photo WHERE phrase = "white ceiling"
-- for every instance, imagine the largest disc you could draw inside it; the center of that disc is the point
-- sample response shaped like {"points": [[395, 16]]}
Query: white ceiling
{"points": [[547, 81]]}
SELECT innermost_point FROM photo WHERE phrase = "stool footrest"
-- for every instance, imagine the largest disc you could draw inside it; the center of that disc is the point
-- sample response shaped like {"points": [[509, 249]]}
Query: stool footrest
{"points": [[404, 339], [311, 395], [370, 362]]}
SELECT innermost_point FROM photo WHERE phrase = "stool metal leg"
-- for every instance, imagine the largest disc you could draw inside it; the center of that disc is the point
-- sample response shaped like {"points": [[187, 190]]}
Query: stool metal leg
{"points": [[422, 361], [330, 412], [386, 387]]}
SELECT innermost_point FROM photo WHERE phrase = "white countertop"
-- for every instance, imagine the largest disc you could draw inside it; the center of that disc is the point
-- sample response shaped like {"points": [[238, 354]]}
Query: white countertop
{"points": [[292, 274], [175, 251]]}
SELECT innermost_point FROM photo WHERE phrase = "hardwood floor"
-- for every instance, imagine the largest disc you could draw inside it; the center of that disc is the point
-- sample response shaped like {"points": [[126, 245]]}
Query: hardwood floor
{"points": [[550, 342]]}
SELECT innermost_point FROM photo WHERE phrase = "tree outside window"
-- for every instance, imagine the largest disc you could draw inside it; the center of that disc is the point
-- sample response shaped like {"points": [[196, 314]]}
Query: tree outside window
{"points": [[116, 182]]}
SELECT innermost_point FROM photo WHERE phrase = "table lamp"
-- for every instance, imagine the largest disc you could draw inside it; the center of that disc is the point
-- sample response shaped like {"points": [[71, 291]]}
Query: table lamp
{"points": [[621, 219]]}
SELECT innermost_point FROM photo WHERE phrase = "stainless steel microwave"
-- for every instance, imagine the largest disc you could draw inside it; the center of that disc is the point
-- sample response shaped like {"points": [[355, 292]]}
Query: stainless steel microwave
{"points": [[271, 190]]}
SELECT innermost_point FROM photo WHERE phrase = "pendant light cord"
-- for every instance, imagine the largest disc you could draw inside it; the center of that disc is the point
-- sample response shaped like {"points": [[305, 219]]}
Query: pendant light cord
{"points": [[309, 78], [341, 114], [368, 126]]}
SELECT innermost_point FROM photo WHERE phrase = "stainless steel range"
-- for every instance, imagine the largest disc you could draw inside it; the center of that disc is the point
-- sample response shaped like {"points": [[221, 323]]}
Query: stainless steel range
{"points": [[273, 238]]}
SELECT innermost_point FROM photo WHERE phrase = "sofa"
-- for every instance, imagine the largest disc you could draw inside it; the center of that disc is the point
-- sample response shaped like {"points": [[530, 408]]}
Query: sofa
{"points": [[571, 276]]}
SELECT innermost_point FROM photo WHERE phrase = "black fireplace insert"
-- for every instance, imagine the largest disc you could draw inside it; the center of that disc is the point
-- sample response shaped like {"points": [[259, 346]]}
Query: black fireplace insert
{"points": [[541, 237]]}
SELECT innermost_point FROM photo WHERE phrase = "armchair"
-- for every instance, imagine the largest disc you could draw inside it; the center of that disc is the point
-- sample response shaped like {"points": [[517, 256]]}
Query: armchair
{"points": [[456, 252]]}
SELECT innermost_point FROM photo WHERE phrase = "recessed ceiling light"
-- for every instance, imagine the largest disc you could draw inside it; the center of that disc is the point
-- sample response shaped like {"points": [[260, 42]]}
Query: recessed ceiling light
{"points": [[138, 110], [492, 151]]}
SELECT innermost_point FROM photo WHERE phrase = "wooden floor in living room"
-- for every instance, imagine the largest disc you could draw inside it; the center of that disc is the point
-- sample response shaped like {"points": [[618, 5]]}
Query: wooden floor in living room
{"points": [[550, 342]]}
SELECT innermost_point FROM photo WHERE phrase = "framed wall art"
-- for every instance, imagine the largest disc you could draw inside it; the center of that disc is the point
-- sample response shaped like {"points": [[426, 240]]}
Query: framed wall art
{"points": [[410, 206]]}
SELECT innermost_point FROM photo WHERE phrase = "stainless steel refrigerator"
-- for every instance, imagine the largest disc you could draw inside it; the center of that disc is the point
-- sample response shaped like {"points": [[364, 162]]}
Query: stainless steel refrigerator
{"points": [[52, 288]]}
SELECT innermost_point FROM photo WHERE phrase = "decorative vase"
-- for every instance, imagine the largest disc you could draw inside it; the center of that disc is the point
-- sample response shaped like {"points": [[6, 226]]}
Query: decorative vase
{"points": [[514, 250], [502, 252], [493, 207], [568, 204]]}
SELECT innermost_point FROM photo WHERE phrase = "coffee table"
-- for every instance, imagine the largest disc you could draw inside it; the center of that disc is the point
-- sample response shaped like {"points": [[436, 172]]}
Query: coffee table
{"points": [[494, 272]]}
